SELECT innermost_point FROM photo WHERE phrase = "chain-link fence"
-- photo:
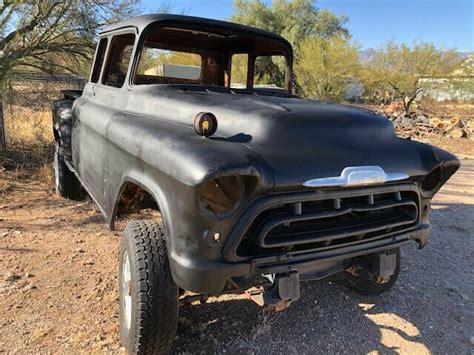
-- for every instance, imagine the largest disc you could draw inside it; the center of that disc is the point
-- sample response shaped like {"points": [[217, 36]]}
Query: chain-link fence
{"points": [[26, 106]]}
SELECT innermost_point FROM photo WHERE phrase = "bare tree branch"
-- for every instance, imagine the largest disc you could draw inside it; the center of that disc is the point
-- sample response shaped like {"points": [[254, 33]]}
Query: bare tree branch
{"points": [[52, 35]]}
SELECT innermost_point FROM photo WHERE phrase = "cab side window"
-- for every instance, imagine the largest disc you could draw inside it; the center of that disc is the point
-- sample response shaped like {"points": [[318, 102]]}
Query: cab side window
{"points": [[270, 72], [99, 60], [118, 60], [238, 76]]}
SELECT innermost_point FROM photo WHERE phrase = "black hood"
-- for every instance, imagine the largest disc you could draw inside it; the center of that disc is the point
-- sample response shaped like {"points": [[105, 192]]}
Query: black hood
{"points": [[298, 139]]}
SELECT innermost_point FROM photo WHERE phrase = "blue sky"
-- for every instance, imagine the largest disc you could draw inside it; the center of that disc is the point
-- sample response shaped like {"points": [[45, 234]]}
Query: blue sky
{"points": [[447, 23]]}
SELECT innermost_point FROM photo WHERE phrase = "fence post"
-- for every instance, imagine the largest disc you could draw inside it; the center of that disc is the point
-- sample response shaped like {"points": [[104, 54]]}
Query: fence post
{"points": [[2, 128]]}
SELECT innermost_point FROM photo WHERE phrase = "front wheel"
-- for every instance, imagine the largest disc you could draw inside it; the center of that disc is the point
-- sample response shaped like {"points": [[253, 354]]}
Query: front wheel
{"points": [[148, 294]]}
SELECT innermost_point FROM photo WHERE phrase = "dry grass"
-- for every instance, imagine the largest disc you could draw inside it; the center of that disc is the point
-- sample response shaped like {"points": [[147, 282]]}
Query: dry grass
{"points": [[29, 145], [20, 163], [28, 127], [45, 173], [265, 323], [29, 131]]}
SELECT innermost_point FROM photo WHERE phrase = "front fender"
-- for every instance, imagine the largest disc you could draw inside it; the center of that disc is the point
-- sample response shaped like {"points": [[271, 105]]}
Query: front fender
{"points": [[171, 162], [176, 151]]}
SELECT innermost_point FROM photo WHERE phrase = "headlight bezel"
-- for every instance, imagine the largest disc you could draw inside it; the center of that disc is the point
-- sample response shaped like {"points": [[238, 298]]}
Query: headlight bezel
{"points": [[222, 185], [432, 180]]}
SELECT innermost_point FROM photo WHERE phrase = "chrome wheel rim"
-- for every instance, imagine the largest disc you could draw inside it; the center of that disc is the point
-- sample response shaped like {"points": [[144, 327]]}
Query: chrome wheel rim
{"points": [[126, 290]]}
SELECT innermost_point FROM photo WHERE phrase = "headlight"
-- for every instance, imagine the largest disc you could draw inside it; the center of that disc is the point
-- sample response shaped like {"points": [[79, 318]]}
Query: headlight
{"points": [[222, 195]]}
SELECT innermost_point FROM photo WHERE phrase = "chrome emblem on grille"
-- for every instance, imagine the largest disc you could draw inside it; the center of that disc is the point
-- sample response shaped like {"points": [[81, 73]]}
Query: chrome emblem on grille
{"points": [[357, 176]]}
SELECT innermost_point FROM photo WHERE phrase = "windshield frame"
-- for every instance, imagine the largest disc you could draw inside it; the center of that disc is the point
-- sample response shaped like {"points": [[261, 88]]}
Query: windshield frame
{"points": [[284, 49]]}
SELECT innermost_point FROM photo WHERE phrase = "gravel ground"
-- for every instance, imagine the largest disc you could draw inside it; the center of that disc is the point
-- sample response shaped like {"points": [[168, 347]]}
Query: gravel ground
{"points": [[58, 289]]}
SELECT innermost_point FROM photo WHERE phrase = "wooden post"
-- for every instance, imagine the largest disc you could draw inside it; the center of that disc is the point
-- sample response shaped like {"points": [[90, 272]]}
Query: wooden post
{"points": [[2, 129]]}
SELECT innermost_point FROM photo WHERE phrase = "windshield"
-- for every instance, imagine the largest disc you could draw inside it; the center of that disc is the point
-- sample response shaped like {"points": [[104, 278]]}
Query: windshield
{"points": [[236, 61]]}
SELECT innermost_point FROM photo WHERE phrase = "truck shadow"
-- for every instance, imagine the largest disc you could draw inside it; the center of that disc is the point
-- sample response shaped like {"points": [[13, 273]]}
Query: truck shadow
{"points": [[238, 138], [424, 312], [327, 318]]}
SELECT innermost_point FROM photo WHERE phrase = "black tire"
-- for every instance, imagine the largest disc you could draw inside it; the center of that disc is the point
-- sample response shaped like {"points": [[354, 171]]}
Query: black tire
{"points": [[368, 285], [151, 291], [66, 183]]}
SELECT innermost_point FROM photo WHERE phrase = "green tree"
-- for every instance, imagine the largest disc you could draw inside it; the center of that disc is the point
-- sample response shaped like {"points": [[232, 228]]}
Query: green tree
{"points": [[403, 70], [54, 36], [293, 19], [254, 13], [167, 7], [325, 67]]}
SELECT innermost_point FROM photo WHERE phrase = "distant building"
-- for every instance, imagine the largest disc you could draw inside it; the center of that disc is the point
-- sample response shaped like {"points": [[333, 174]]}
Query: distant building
{"points": [[175, 71], [459, 85]]}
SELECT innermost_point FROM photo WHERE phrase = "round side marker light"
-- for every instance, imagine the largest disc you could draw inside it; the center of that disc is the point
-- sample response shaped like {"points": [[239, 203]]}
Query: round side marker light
{"points": [[205, 124]]}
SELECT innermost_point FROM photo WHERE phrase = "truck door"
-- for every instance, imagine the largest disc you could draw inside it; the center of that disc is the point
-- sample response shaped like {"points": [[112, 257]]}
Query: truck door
{"points": [[104, 96]]}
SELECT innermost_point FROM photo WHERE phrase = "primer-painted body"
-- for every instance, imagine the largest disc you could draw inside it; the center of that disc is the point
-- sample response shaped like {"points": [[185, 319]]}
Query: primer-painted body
{"points": [[144, 134]]}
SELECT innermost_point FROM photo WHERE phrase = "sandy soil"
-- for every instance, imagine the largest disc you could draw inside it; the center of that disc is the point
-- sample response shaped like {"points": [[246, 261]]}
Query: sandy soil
{"points": [[58, 289]]}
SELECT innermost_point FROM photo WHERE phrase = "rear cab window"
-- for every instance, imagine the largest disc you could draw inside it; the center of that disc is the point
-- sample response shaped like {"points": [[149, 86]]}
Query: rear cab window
{"points": [[157, 64]]}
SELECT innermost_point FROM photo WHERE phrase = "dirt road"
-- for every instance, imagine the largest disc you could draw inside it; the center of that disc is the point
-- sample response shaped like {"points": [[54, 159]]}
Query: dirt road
{"points": [[58, 289]]}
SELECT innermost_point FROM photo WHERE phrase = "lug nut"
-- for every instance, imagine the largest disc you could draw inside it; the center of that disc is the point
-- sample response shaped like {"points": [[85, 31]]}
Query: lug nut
{"points": [[217, 237]]}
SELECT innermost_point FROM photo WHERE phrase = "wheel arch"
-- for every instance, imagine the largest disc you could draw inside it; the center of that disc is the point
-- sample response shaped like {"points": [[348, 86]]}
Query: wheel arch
{"points": [[152, 188]]}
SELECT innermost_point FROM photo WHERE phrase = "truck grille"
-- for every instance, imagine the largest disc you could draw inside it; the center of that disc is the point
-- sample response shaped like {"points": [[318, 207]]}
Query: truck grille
{"points": [[330, 223]]}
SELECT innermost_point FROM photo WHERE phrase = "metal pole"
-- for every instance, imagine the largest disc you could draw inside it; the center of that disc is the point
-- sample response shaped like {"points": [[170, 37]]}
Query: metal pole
{"points": [[2, 129]]}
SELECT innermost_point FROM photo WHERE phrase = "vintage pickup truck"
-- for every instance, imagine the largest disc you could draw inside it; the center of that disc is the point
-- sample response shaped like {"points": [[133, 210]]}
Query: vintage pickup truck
{"points": [[256, 187]]}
